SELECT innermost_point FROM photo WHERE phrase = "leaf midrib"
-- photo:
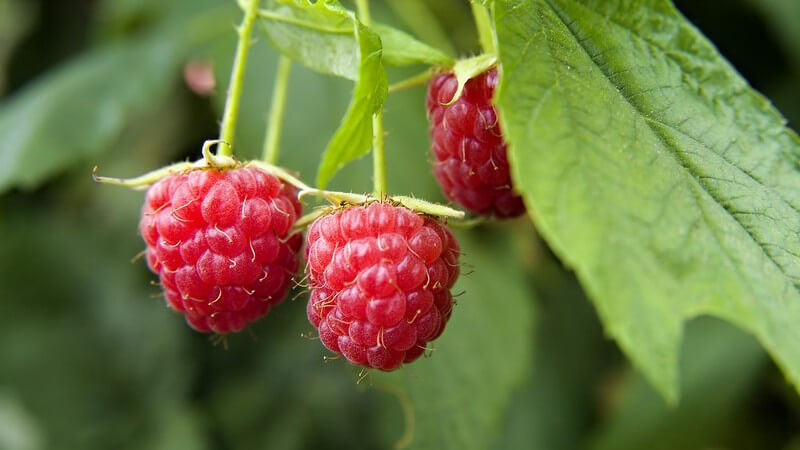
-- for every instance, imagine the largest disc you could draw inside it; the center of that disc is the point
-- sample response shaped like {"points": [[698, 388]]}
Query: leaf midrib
{"points": [[665, 142]]}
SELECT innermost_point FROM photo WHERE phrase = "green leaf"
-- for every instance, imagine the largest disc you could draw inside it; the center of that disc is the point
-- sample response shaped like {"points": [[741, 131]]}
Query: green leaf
{"points": [[320, 35], [324, 37], [400, 49], [654, 170], [458, 396], [78, 111], [353, 138]]}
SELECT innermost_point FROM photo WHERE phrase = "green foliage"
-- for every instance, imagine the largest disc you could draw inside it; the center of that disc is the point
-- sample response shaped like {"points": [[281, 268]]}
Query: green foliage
{"points": [[633, 183], [655, 172]]}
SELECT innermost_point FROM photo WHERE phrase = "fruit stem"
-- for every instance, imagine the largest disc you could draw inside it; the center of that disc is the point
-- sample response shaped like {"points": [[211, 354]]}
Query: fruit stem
{"points": [[363, 12], [379, 155], [417, 80], [228, 127], [275, 118], [483, 22], [378, 141]]}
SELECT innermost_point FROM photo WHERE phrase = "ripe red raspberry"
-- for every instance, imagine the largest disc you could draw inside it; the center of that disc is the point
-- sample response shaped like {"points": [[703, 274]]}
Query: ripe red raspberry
{"points": [[380, 278], [220, 243], [471, 163]]}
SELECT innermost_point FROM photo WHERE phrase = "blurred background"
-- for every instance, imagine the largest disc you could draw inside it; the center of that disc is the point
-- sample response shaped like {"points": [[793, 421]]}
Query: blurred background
{"points": [[91, 358]]}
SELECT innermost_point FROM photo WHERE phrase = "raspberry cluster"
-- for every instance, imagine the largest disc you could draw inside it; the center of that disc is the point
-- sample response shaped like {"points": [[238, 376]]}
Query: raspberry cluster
{"points": [[220, 243], [471, 162], [380, 278]]}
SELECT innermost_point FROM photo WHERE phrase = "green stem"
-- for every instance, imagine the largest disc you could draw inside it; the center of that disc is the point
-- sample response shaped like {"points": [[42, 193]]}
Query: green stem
{"points": [[378, 155], [417, 80], [484, 24], [363, 12], [378, 143], [228, 127], [275, 119]]}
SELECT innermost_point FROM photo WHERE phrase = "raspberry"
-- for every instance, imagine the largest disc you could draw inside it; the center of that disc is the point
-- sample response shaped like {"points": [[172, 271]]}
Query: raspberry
{"points": [[220, 243], [470, 152], [380, 278]]}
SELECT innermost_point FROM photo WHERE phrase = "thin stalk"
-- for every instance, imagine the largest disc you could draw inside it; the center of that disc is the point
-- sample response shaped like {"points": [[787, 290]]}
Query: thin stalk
{"points": [[363, 12], [378, 143], [228, 127], [417, 80], [484, 24], [378, 156], [275, 118]]}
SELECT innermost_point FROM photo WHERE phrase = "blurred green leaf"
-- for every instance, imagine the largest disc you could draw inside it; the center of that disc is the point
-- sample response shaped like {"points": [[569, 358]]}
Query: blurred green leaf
{"points": [[18, 430], [719, 368], [653, 169], [554, 408], [420, 19], [77, 112], [459, 394], [16, 19], [784, 15], [96, 361]]}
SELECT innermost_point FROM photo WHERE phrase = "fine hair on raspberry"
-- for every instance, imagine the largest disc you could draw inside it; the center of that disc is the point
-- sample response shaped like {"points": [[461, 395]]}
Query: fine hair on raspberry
{"points": [[380, 278], [221, 244], [471, 162]]}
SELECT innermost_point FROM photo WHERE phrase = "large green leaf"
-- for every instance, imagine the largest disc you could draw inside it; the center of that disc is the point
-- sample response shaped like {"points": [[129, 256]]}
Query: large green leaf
{"points": [[460, 393], [652, 169]]}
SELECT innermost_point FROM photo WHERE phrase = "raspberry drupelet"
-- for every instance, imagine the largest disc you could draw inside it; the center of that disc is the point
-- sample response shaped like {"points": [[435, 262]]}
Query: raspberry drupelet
{"points": [[471, 163], [380, 278], [221, 244]]}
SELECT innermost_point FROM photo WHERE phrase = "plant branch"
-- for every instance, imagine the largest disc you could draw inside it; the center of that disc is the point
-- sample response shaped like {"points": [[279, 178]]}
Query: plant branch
{"points": [[378, 156], [378, 143], [483, 22], [228, 127], [363, 12], [275, 118], [417, 80]]}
